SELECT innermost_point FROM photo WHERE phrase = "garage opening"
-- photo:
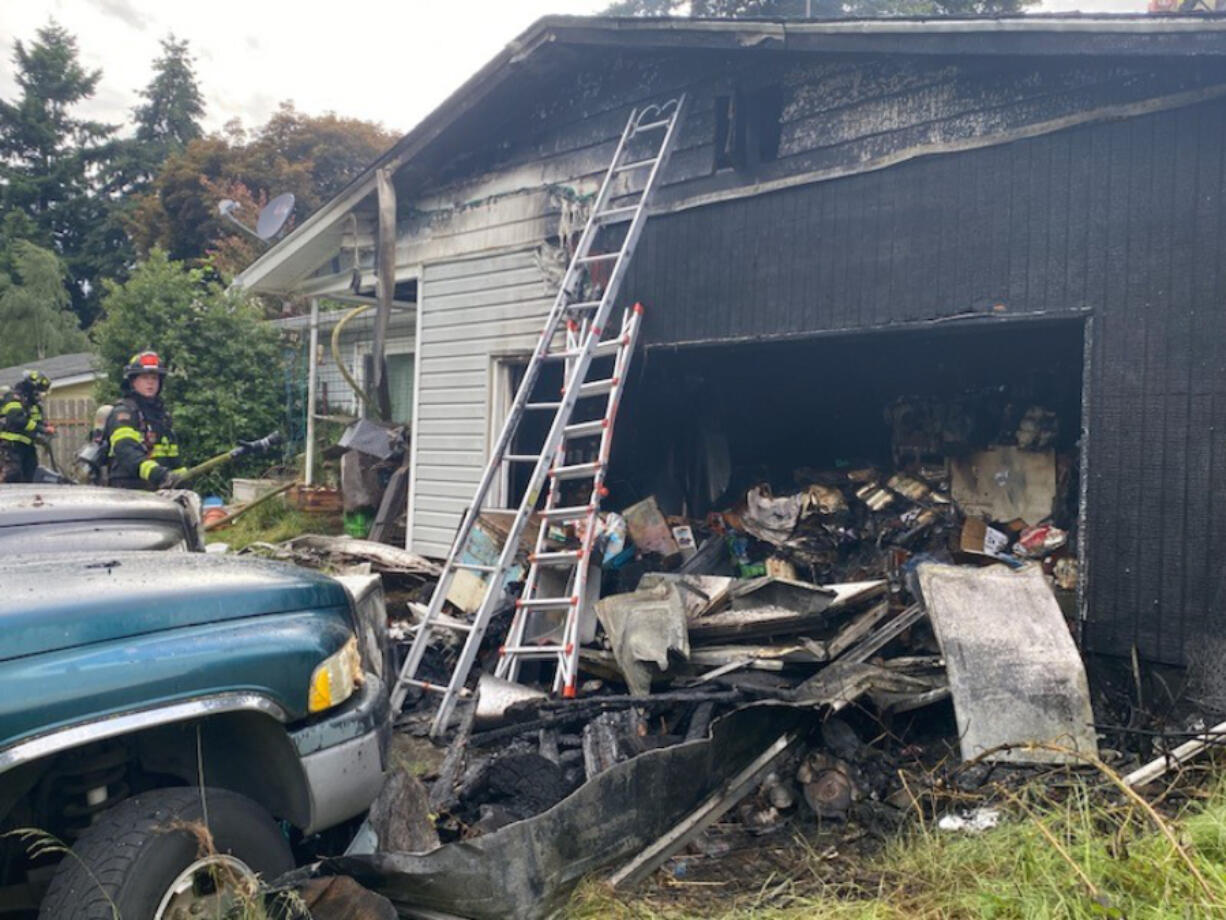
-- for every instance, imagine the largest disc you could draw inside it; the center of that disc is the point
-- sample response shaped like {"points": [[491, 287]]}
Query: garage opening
{"points": [[894, 440]]}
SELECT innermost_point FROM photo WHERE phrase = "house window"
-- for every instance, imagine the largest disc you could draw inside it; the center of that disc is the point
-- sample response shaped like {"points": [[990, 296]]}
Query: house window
{"points": [[399, 383], [507, 375], [748, 127]]}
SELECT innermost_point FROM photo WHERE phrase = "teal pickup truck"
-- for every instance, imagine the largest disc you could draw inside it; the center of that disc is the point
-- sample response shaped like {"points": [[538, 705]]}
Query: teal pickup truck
{"points": [[183, 722]]}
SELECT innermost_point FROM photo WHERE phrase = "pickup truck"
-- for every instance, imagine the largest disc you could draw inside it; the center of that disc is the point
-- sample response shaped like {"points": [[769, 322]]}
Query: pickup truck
{"points": [[50, 518], [181, 721]]}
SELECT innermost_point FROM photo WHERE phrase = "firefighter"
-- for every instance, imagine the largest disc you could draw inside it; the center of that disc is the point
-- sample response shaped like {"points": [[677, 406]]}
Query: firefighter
{"points": [[21, 424], [142, 451]]}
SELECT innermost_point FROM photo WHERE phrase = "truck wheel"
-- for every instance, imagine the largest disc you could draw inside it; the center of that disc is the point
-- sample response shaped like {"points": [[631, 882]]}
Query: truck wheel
{"points": [[150, 858]]}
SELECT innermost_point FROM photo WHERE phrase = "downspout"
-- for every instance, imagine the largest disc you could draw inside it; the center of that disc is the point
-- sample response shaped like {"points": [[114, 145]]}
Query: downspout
{"points": [[312, 383]]}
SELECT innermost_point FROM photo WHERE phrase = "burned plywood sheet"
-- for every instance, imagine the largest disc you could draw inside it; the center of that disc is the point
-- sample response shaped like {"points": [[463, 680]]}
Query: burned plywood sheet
{"points": [[314, 550], [1014, 673], [771, 656], [769, 592], [1006, 483], [808, 607], [700, 594]]}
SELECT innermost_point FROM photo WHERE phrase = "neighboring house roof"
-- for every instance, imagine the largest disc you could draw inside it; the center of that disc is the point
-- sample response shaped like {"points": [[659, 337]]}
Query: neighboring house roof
{"points": [[555, 43], [64, 370]]}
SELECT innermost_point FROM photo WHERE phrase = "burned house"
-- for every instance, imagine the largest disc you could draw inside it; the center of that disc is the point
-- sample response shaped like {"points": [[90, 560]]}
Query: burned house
{"points": [[886, 246]]}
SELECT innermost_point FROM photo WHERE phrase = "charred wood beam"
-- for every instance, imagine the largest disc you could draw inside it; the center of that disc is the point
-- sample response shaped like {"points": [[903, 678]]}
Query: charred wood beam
{"points": [[565, 712], [602, 740], [875, 641], [443, 789]]}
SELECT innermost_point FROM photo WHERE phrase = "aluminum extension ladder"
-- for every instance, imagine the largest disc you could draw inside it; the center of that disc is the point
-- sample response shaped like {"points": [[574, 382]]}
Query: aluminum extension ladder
{"points": [[578, 317], [574, 562]]}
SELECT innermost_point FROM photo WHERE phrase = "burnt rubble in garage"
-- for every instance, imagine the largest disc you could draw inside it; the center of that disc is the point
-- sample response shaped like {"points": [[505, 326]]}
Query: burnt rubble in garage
{"points": [[768, 527], [807, 570]]}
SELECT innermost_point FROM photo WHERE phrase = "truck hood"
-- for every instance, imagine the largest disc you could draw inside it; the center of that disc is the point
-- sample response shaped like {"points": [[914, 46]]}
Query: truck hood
{"points": [[55, 518], [54, 602]]}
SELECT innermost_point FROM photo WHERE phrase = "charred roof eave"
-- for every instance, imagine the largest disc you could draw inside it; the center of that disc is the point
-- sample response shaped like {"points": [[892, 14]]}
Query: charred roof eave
{"points": [[538, 48]]}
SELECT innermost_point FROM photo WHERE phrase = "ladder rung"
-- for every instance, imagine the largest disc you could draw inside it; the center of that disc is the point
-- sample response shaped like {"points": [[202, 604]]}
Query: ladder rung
{"points": [[532, 651], [586, 429], [537, 407], [575, 513], [521, 458], [584, 305], [547, 603], [615, 214], [637, 164], [599, 257], [597, 387], [602, 350], [610, 346], [442, 621], [475, 567], [651, 126], [578, 471], [463, 693], [562, 557]]}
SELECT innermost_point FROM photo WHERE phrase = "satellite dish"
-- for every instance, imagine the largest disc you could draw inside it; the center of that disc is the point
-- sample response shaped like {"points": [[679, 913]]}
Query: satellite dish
{"points": [[274, 215]]}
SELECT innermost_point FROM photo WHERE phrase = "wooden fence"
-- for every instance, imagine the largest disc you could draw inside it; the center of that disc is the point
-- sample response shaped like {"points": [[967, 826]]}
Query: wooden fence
{"points": [[74, 420]]}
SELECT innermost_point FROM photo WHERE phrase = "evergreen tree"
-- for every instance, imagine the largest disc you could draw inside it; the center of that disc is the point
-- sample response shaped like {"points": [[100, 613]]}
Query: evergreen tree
{"points": [[166, 122], [34, 307], [170, 117], [48, 159], [14, 225]]}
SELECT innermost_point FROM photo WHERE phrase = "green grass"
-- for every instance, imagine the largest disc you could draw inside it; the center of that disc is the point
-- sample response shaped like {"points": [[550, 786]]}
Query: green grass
{"points": [[273, 522], [1088, 856]]}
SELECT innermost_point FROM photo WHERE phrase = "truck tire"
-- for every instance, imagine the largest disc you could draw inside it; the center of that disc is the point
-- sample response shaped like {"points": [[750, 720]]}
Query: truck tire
{"points": [[131, 861]]}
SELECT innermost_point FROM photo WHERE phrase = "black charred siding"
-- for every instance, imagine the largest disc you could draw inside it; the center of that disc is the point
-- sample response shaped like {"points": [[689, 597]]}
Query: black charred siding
{"points": [[1123, 219]]}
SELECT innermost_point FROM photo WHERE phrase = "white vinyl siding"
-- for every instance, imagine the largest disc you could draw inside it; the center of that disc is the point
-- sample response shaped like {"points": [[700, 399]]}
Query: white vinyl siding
{"points": [[473, 312]]}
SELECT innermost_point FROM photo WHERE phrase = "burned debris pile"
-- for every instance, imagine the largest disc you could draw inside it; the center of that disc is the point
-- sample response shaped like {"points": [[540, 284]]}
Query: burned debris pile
{"points": [[807, 596], [782, 660]]}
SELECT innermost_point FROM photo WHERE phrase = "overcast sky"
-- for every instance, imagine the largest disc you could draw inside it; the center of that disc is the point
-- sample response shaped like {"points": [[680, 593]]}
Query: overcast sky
{"points": [[252, 54]]}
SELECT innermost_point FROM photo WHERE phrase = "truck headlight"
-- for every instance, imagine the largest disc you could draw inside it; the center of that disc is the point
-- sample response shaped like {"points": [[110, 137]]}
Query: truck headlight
{"points": [[336, 677]]}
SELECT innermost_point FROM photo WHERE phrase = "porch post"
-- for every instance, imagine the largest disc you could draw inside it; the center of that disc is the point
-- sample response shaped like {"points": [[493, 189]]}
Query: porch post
{"points": [[312, 384]]}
